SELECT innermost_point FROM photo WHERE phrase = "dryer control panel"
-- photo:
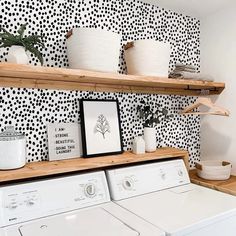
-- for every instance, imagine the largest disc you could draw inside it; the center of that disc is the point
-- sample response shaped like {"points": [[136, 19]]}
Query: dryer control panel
{"points": [[137, 180], [37, 199]]}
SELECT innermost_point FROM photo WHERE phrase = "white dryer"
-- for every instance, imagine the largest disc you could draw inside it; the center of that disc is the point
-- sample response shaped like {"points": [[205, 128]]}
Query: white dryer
{"points": [[161, 194], [77, 205]]}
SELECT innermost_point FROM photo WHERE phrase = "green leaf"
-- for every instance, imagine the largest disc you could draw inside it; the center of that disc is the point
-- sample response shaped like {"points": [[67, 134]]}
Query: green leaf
{"points": [[5, 31], [21, 30], [34, 40], [164, 111], [35, 52], [142, 114], [147, 108]]}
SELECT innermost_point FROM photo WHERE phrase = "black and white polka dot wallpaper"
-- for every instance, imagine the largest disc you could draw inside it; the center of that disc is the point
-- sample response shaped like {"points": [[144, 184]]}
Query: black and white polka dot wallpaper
{"points": [[29, 110]]}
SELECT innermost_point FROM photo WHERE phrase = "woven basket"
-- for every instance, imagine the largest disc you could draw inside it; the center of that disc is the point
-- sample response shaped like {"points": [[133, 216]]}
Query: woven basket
{"points": [[93, 49], [213, 170], [148, 57]]}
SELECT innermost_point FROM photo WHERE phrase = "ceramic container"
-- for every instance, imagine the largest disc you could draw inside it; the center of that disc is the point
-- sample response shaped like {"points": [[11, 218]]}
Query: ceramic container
{"points": [[148, 57], [13, 149], [18, 55], [139, 145], [94, 49], [150, 139], [213, 170]]}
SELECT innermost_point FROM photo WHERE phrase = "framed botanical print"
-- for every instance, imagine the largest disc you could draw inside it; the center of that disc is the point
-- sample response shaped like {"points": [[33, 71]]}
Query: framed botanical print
{"points": [[100, 126]]}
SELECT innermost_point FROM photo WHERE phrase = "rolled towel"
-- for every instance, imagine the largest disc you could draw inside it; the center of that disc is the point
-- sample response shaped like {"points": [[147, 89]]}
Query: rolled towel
{"points": [[183, 66], [180, 69], [197, 76]]}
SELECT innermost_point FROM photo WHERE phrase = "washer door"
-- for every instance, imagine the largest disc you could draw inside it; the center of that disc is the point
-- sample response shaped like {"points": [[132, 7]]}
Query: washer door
{"points": [[91, 222]]}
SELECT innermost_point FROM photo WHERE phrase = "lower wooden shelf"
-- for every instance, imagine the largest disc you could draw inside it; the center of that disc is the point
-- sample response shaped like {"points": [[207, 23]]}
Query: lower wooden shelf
{"points": [[226, 186], [46, 168]]}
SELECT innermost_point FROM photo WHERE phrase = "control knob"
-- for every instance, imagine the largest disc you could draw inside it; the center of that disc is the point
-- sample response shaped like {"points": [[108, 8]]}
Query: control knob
{"points": [[90, 190], [128, 184]]}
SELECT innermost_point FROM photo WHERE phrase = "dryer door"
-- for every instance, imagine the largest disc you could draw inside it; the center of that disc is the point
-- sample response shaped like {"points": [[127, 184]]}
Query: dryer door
{"points": [[91, 222]]}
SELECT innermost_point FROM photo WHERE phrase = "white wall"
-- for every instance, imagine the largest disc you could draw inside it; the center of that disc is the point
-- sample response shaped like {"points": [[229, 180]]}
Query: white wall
{"points": [[218, 58]]}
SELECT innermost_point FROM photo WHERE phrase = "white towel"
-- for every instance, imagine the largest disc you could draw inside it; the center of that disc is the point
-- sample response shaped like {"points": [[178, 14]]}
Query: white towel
{"points": [[197, 76]]}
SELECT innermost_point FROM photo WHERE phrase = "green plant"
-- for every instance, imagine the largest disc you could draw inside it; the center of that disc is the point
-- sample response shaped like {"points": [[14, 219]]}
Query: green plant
{"points": [[151, 116], [28, 42]]}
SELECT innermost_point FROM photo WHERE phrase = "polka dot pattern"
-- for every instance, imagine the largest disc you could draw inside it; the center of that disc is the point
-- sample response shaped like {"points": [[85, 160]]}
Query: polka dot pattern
{"points": [[133, 19], [29, 110]]}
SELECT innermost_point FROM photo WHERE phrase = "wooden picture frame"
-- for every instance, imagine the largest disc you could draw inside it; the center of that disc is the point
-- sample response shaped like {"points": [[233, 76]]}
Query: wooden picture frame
{"points": [[100, 127]]}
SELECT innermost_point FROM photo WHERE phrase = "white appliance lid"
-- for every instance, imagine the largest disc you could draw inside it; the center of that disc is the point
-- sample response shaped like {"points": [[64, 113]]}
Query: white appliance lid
{"points": [[181, 208], [96, 221]]}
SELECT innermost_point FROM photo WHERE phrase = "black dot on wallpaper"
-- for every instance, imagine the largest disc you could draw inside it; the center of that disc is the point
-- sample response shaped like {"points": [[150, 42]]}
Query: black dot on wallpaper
{"points": [[30, 110]]}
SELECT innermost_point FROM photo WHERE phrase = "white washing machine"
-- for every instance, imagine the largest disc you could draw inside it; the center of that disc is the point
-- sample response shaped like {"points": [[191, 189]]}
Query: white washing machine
{"points": [[77, 205], [161, 194]]}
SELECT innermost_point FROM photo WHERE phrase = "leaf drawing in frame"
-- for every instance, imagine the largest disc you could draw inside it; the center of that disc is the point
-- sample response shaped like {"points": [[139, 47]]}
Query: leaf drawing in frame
{"points": [[102, 126]]}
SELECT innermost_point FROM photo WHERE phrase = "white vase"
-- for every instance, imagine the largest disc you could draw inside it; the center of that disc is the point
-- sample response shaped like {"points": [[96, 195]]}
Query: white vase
{"points": [[150, 139], [18, 55]]}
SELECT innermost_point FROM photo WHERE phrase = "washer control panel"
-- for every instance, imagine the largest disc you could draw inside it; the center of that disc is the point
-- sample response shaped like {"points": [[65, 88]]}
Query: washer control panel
{"points": [[137, 180], [37, 199], [21, 200]]}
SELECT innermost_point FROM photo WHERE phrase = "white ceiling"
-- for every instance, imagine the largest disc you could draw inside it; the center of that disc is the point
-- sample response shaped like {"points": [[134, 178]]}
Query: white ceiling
{"points": [[195, 8]]}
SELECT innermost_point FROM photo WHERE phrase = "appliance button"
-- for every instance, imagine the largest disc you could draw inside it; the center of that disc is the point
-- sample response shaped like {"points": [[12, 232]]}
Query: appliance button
{"points": [[30, 203], [163, 176], [180, 173], [12, 206]]}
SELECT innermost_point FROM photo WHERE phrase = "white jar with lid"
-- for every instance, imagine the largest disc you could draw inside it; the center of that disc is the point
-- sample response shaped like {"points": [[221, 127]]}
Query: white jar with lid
{"points": [[12, 149]]}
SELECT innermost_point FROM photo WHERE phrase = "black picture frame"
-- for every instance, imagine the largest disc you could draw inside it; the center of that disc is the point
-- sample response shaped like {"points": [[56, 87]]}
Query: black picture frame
{"points": [[88, 116]]}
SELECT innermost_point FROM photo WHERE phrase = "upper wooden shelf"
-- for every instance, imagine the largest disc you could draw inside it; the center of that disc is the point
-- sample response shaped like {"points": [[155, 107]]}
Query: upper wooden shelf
{"points": [[46, 168], [26, 76]]}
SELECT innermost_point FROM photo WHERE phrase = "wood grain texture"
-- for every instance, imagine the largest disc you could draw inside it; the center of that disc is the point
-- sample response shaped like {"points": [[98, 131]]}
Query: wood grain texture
{"points": [[226, 186], [46, 168], [26, 76]]}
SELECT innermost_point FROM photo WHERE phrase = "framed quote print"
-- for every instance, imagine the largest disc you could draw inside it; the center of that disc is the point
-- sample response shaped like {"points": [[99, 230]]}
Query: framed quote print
{"points": [[100, 126]]}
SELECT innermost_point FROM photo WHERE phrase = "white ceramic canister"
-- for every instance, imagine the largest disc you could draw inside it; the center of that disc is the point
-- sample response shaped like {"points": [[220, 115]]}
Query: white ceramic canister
{"points": [[12, 149], [150, 139]]}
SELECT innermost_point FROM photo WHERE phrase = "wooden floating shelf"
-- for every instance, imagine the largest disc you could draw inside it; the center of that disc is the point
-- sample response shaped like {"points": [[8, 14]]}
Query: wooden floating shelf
{"points": [[46, 168], [225, 186], [26, 76]]}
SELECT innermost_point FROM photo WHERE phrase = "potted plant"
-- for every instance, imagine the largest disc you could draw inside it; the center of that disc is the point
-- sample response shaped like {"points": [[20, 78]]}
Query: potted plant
{"points": [[19, 44], [151, 117]]}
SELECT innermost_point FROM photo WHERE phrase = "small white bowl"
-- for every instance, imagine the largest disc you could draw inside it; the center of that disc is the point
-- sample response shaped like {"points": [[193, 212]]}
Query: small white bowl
{"points": [[213, 170]]}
